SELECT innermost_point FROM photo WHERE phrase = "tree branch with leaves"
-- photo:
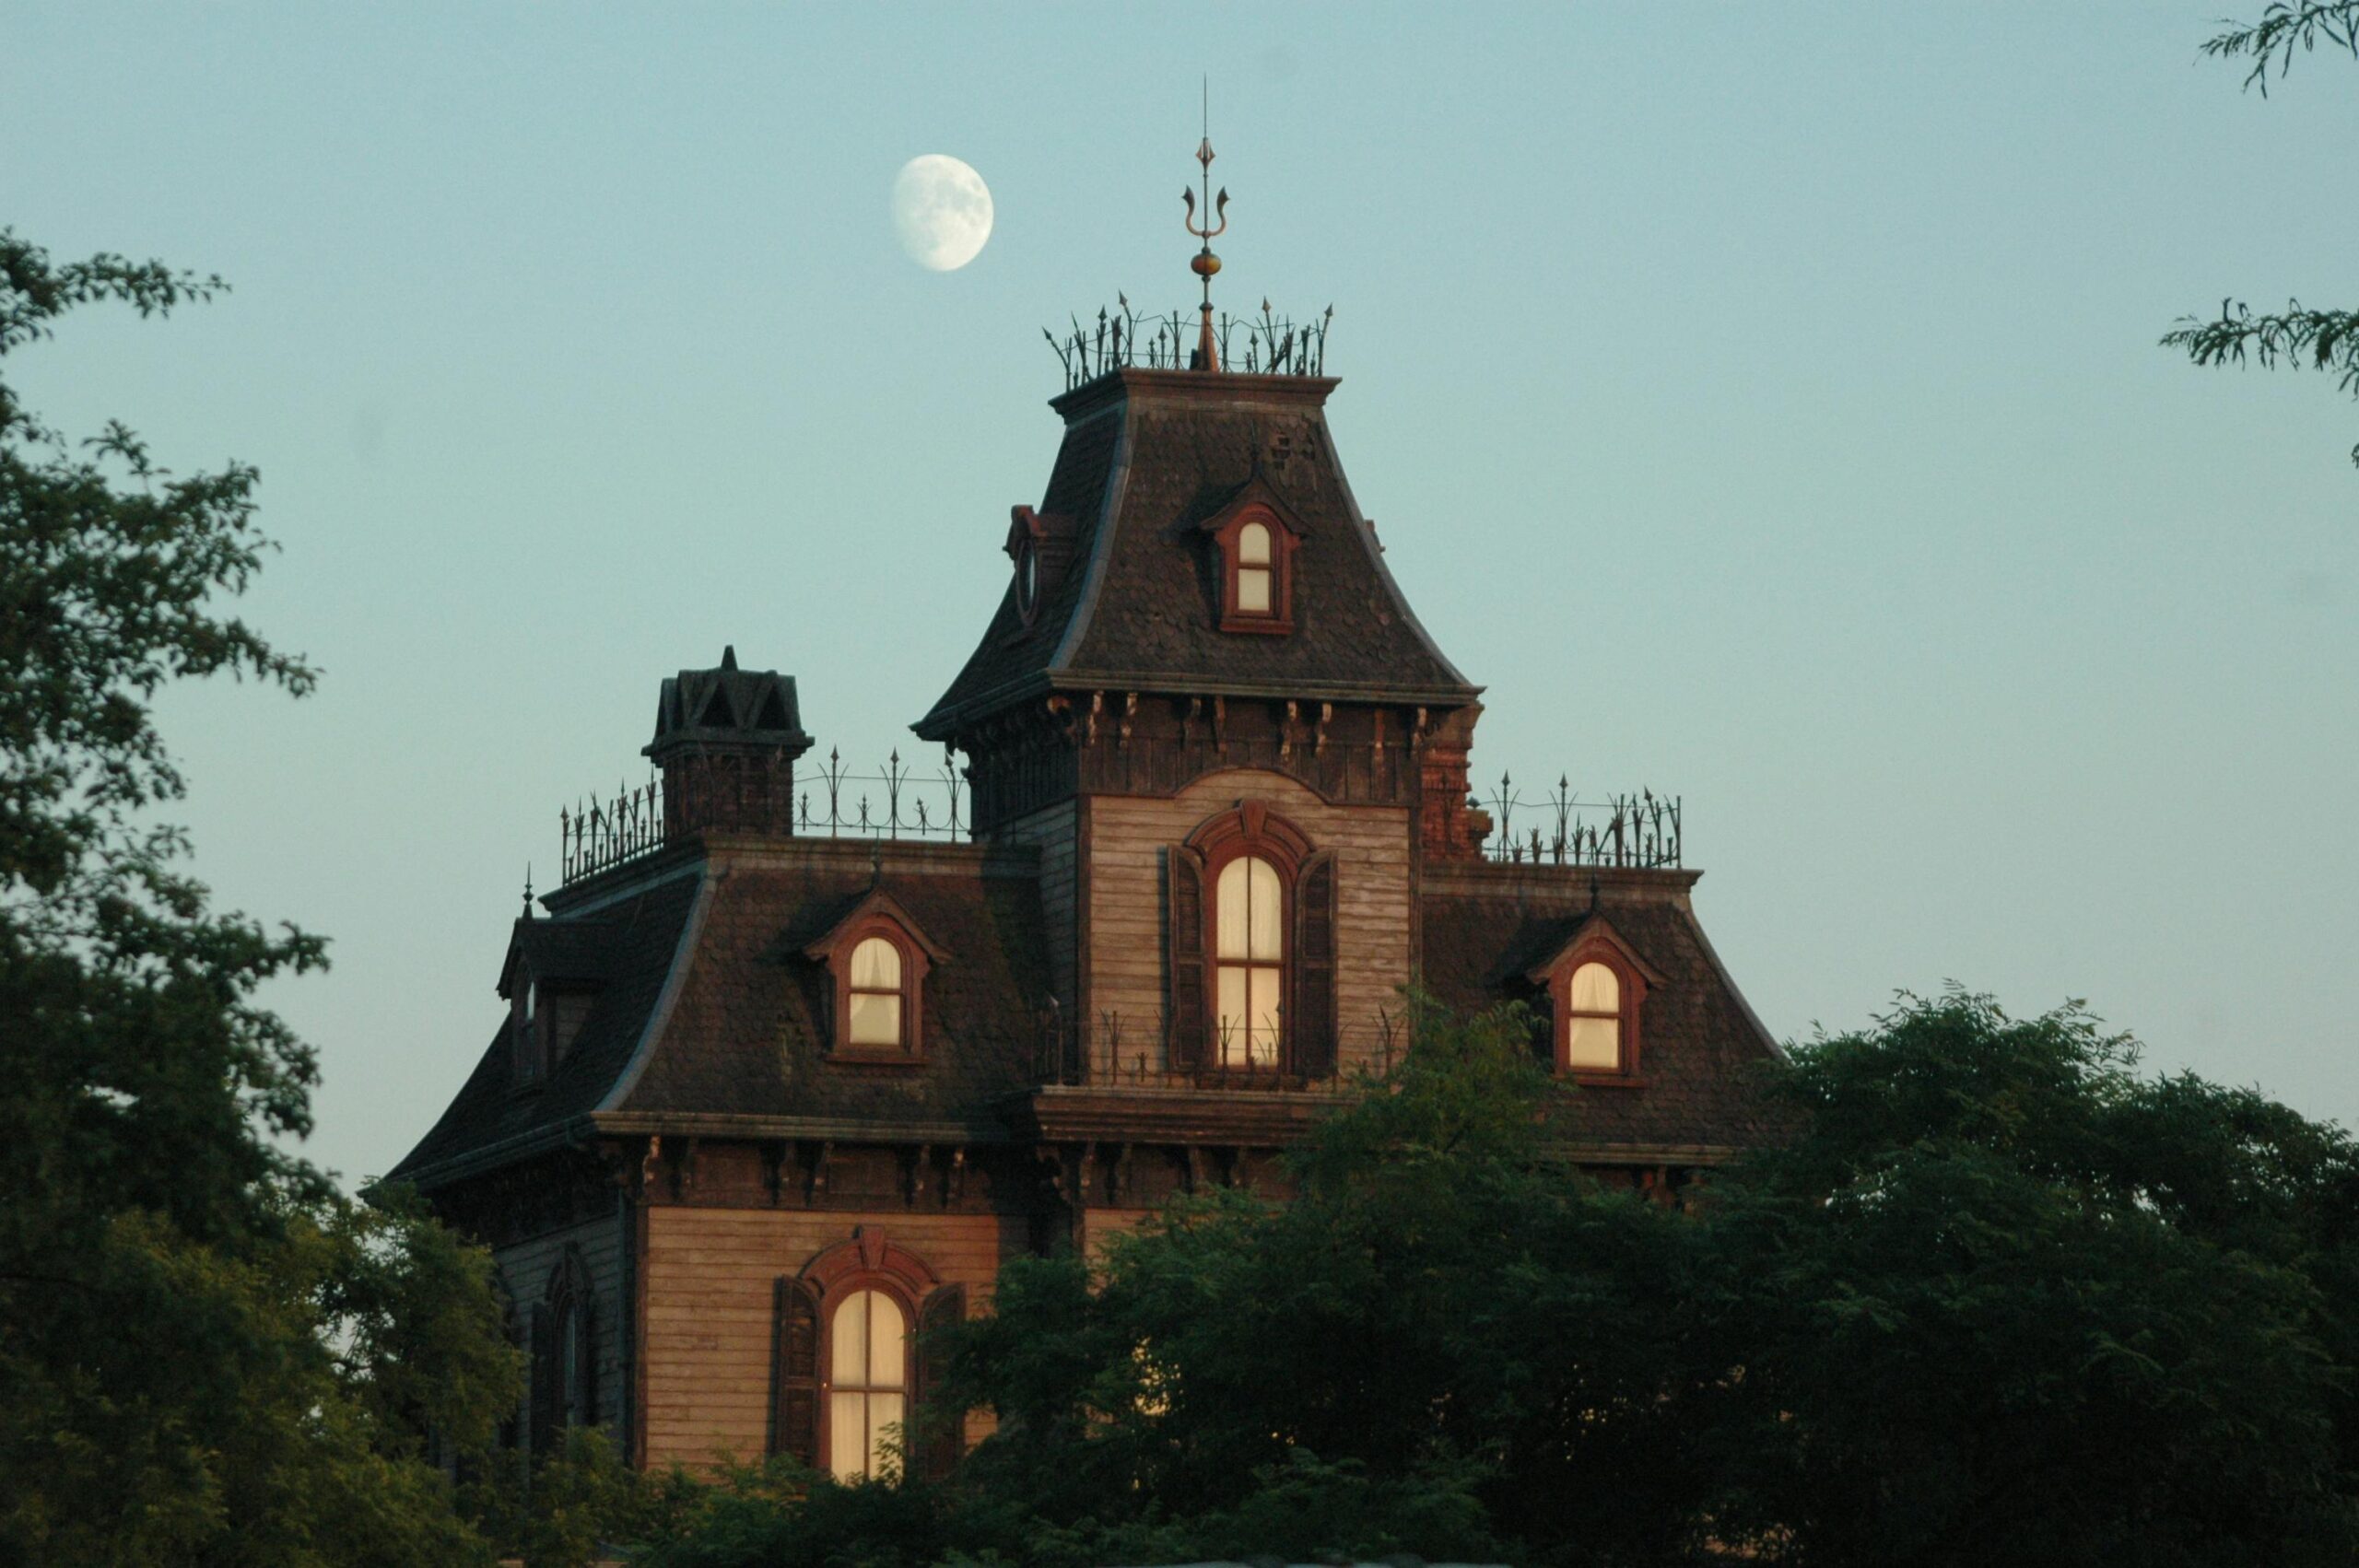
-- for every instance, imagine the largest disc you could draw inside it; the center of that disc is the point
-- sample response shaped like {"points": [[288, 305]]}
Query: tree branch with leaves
{"points": [[2295, 338]]}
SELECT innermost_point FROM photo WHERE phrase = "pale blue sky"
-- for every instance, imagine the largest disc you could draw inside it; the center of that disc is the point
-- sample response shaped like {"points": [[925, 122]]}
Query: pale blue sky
{"points": [[1762, 401]]}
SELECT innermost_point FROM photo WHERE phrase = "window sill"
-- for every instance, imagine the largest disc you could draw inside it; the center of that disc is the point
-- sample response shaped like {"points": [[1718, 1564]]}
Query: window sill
{"points": [[1607, 1080], [1263, 626], [874, 1058]]}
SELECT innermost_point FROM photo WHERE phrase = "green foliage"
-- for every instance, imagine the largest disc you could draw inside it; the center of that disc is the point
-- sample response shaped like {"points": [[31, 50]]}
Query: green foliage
{"points": [[2003, 1300], [2294, 337], [205, 1354], [1999, 1298]]}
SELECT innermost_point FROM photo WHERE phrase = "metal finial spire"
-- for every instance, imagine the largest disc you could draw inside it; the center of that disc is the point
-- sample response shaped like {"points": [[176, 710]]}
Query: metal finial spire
{"points": [[528, 889], [1207, 355]]}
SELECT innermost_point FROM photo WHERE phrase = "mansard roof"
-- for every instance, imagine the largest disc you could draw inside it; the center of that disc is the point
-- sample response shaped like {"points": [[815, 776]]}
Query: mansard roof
{"points": [[1487, 927], [1148, 456], [710, 1010]]}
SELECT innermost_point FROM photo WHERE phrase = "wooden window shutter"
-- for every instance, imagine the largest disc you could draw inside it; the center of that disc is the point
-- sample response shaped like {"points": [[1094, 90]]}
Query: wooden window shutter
{"points": [[941, 1434], [546, 1380], [1188, 1025], [1311, 1027], [795, 1371]]}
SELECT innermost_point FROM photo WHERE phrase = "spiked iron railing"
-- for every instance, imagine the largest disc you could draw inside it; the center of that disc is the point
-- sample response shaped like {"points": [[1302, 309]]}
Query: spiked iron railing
{"points": [[1111, 1050], [1270, 345], [1640, 830], [829, 801]]}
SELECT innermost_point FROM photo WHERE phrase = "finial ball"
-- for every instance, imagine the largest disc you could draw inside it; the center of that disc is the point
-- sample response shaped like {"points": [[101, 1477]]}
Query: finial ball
{"points": [[1203, 263]]}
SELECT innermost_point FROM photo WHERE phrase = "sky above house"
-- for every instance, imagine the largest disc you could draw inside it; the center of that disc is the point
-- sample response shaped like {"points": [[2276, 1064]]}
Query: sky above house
{"points": [[1763, 402]]}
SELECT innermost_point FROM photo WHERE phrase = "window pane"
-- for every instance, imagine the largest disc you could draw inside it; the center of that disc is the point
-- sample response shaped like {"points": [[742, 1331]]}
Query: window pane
{"points": [[848, 1365], [848, 1436], [1596, 1043], [1253, 590], [875, 1020], [1234, 1012], [1596, 989], [887, 1362], [883, 1417], [1265, 996], [1229, 906], [877, 966], [1262, 902], [1253, 546]]}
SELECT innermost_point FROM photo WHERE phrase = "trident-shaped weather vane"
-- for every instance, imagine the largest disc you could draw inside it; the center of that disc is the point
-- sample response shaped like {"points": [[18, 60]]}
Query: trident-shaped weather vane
{"points": [[1207, 355]]}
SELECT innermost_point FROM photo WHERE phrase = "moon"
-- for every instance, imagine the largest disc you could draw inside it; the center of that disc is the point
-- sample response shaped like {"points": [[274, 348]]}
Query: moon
{"points": [[941, 210]]}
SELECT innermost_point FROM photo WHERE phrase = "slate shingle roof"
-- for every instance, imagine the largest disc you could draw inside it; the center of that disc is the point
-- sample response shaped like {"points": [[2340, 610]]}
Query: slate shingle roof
{"points": [[744, 1032], [1148, 455], [635, 940], [1701, 1048]]}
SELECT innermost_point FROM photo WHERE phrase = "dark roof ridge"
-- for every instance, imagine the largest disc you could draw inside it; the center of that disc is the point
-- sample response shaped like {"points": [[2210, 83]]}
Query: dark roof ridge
{"points": [[1367, 533], [1101, 545], [675, 979]]}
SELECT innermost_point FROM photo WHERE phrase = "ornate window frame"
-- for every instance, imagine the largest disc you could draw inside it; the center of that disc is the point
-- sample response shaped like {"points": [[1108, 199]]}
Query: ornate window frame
{"points": [[1596, 942], [1305, 1041], [1256, 503], [804, 1360], [876, 916]]}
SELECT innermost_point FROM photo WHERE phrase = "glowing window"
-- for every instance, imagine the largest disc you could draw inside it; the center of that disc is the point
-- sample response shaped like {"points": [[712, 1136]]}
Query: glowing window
{"points": [[1249, 958], [875, 1010], [1593, 1033], [1253, 573], [868, 1383]]}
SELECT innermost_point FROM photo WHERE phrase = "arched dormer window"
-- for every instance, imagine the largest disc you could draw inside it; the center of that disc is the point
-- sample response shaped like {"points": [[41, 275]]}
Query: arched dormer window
{"points": [[1593, 1019], [876, 961], [1253, 949], [1040, 544], [1597, 985], [875, 1010], [1254, 539]]}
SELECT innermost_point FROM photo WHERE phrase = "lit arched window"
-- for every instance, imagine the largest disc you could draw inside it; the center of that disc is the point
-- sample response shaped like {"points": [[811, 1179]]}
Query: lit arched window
{"points": [[1254, 570], [1593, 1020], [875, 1011], [868, 1382], [1250, 961]]}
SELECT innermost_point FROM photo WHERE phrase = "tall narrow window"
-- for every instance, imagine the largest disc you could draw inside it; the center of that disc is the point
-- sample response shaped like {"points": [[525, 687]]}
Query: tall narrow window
{"points": [[1254, 570], [876, 1003], [1594, 1021], [868, 1382], [1249, 957], [573, 1404]]}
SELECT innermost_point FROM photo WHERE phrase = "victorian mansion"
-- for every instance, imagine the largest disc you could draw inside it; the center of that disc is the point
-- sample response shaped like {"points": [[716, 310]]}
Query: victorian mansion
{"points": [[778, 1084]]}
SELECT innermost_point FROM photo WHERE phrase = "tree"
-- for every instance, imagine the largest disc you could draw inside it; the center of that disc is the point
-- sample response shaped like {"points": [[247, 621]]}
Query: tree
{"points": [[205, 1352], [2297, 336], [1997, 1297], [2002, 1299]]}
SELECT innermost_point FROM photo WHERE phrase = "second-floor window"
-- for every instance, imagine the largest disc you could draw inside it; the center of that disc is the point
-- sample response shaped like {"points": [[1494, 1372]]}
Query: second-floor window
{"points": [[1249, 962]]}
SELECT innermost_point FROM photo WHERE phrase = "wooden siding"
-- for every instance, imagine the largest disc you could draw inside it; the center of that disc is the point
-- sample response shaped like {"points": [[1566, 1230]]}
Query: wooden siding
{"points": [[1054, 829], [527, 1269], [1101, 1225], [710, 1277], [1128, 941]]}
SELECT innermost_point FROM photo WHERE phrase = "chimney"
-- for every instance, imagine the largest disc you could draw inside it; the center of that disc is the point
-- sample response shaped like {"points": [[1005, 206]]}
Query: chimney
{"points": [[727, 740]]}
